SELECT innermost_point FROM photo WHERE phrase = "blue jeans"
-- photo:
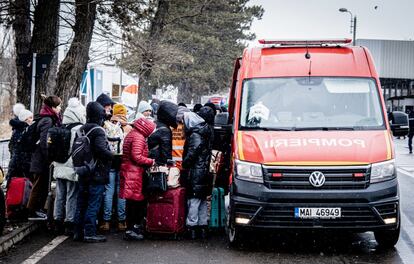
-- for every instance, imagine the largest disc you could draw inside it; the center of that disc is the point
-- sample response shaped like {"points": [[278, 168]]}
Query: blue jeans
{"points": [[89, 202], [66, 200], [109, 196]]}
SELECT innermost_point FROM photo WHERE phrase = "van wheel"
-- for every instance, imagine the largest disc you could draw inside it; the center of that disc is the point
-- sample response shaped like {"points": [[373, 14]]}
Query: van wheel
{"points": [[387, 238], [234, 236]]}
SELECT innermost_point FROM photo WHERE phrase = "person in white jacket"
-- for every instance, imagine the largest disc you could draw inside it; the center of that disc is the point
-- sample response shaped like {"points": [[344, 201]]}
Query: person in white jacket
{"points": [[66, 178]]}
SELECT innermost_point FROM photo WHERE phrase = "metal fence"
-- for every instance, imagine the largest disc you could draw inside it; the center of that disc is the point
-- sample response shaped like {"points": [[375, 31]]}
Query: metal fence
{"points": [[4, 153]]}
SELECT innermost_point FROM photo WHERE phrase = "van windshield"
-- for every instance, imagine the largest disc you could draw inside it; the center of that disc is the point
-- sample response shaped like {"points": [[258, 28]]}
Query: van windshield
{"points": [[311, 103]]}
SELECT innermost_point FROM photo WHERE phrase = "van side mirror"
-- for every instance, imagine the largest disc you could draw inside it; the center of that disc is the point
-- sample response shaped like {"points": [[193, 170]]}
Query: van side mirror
{"points": [[221, 119], [399, 123], [222, 132]]}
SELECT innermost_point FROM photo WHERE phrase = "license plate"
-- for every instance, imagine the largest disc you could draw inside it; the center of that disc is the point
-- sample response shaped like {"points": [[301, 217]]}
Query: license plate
{"points": [[317, 213]]}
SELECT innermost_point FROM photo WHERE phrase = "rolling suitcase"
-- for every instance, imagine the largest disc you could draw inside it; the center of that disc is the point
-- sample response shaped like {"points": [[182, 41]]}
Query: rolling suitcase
{"points": [[17, 196], [166, 212], [217, 213]]}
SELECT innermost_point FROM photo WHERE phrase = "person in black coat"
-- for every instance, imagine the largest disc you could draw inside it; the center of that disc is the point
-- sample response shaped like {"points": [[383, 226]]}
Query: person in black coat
{"points": [[19, 165], [196, 162], [92, 185], [160, 142], [39, 166], [17, 127]]}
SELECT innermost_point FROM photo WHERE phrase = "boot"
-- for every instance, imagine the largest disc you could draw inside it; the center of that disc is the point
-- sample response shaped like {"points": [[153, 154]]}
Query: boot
{"points": [[59, 228], [105, 227], [69, 228], [204, 234], [135, 234], [192, 232], [122, 226]]}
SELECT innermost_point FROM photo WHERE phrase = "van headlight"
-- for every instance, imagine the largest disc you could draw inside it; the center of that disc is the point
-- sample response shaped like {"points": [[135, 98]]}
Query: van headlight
{"points": [[249, 171], [382, 171]]}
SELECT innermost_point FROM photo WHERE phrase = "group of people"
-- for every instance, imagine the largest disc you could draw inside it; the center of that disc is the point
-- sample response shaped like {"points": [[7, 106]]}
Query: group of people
{"points": [[122, 153]]}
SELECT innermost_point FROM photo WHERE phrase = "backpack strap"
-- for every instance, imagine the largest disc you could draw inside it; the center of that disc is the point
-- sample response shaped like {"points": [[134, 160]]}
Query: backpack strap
{"points": [[94, 128], [70, 126]]}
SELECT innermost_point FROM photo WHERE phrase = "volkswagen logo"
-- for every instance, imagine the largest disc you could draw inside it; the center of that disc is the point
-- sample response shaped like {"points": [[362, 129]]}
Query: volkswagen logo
{"points": [[317, 179]]}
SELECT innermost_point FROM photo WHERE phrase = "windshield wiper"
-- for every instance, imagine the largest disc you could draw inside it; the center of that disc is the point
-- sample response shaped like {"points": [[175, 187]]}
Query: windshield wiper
{"points": [[267, 128], [323, 128]]}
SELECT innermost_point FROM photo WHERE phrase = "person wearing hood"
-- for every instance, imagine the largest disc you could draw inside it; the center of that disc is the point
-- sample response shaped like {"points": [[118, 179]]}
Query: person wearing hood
{"points": [[117, 128], [144, 110], [17, 127], [92, 185], [107, 104], [65, 175], [160, 142], [134, 163], [178, 137], [19, 165], [197, 153], [49, 117]]}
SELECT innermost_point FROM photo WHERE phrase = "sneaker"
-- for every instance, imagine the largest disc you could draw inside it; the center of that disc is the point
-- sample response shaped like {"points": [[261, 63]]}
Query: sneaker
{"points": [[37, 216], [411, 152], [122, 226], [204, 234], [94, 239], [69, 229], [133, 236], [105, 227]]}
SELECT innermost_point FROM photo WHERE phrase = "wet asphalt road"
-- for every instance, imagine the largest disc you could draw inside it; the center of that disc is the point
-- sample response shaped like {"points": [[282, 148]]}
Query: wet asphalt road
{"points": [[332, 247]]}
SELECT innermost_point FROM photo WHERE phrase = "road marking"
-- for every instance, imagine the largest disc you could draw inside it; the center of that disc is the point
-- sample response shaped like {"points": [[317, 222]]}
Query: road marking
{"points": [[409, 174], [41, 253]]}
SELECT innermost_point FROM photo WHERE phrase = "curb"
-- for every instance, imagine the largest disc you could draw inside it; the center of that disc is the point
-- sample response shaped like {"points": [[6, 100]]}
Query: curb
{"points": [[9, 240]]}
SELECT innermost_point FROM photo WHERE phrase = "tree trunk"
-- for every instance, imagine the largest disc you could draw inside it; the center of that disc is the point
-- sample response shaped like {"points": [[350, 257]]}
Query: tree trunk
{"points": [[22, 35], [184, 93], [155, 31], [76, 60], [44, 42]]}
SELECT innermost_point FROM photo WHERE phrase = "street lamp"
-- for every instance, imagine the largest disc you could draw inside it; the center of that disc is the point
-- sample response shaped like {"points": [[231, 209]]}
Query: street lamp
{"points": [[353, 23]]}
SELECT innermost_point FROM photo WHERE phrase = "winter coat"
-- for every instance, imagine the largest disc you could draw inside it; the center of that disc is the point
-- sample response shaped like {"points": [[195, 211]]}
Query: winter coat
{"points": [[95, 115], [135, 160], [160, 142], [17, 130], [411, 122], [197, 153], [19, 164], [72, 115], [40, 162]]}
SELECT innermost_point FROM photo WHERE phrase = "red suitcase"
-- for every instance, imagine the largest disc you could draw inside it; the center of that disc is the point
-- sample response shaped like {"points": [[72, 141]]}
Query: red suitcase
{"points": [[166, 212], [17, 196]]}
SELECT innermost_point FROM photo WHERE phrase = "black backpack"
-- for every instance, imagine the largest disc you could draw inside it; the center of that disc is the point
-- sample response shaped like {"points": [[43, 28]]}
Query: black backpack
{"points": [[58, 142], [30, 137], [81, 150]]}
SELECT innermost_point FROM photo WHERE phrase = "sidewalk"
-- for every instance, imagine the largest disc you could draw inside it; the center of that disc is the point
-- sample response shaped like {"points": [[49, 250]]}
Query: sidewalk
{"points": [[14, 233]]}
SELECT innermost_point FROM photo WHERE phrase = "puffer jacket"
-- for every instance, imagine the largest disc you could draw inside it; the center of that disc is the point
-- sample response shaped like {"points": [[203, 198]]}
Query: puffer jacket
{"points": [[197, 153], [135, 160], [160, 142], [19, 164], [17, 128], [65, 170], [95, 115], [40, 162]]}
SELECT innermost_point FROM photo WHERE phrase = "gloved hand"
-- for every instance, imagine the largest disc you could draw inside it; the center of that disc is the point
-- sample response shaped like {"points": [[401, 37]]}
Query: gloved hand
{"points": [[87, 169]]}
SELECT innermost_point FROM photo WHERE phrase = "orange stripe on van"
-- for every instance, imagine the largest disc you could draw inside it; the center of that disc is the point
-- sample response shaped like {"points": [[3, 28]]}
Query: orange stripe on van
{"points": [[240, 145], [388, 143]]}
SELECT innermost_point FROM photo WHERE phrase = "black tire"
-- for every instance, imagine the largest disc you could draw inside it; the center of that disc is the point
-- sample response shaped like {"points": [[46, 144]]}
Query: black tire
{"points": [[235, 234], [387, 238], [2, 211]]}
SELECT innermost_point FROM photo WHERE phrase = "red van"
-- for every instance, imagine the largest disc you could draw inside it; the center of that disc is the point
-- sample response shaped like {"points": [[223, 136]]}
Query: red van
{"points": [[310, 142]]}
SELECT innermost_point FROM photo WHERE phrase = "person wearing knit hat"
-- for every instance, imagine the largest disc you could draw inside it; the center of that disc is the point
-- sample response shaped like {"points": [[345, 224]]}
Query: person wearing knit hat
{"points": [[26, 116], [116, 129], [145, 108], [17, 127], [67, 185]]}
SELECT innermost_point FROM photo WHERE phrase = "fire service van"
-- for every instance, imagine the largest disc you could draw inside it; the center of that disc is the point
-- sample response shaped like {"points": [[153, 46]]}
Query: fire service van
{"points": [[310, 145]]}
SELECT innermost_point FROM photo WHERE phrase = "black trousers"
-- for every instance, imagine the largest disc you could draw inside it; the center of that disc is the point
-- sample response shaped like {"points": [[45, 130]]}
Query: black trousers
{"points": [[135, 212], [410, 141]]}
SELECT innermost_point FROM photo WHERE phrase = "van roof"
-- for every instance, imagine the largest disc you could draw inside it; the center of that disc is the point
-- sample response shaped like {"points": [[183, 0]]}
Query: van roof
{"points": [[348, 61]]}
